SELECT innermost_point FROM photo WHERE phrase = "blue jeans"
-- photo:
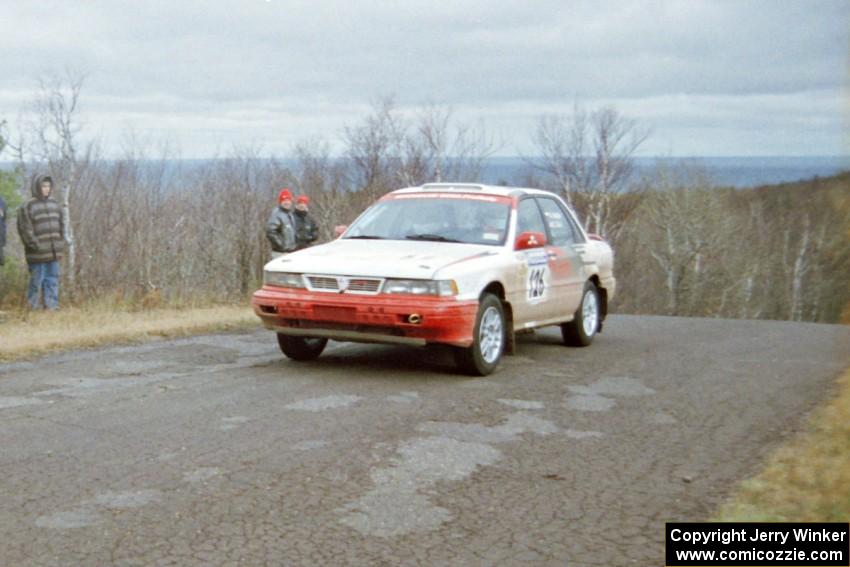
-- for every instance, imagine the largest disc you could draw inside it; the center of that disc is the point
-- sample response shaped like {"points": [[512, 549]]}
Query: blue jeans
{"points": [[44, 276]]}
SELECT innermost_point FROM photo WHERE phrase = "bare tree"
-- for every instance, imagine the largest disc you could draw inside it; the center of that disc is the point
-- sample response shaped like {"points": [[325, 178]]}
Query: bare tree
{"points": [[561, 142], [373, 150], [55, 134], [16, 148], [591, 160], [390, 149], [683, 229], [437, 149], [322, 178]]}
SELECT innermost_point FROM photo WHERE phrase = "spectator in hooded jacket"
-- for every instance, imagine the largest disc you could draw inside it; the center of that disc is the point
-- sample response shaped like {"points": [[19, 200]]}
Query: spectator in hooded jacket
{"points": [[3, 213], [306, 229], [280, 228], [42, 229]]}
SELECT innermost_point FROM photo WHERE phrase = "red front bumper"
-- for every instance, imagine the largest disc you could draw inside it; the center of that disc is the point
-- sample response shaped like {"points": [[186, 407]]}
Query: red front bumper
{"points": [[366, 318]]}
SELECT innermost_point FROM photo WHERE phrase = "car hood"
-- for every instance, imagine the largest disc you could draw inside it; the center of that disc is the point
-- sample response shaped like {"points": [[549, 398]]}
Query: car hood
{"points": [[378, 258]]}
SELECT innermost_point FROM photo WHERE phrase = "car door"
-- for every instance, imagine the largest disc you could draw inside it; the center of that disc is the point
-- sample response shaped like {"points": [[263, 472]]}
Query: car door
{"points": [[567, 267], [532, 269]]}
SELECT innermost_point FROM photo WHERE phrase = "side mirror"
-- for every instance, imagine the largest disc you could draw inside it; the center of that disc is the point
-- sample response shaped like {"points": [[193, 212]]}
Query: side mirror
{"points": [[339, 229], [530, 239]]}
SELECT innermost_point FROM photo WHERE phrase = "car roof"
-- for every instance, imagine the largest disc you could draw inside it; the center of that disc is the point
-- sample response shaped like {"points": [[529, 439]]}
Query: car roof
{"points": [[476, 188]]}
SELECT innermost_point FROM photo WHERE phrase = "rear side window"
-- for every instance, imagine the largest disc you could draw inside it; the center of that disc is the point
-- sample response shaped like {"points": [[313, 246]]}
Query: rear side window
{"points": [[561, 229]]}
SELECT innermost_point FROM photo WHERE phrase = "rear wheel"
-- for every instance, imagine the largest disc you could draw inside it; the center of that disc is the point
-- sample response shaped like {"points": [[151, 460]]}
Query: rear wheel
{"points": [[301, 348], [488, 339], [586, 323]]}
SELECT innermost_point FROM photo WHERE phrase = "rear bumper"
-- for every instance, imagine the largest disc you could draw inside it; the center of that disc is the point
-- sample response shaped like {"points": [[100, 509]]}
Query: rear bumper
{"points": [[366, 318]]}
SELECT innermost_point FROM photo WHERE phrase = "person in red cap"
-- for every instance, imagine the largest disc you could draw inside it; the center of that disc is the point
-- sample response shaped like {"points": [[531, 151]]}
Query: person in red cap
{"points": [[306, 229], [280, 228]]}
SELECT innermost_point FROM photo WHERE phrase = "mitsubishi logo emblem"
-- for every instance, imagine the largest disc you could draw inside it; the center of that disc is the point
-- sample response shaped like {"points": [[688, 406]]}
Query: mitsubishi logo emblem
{"points": [[342, 283], [532, 240]]}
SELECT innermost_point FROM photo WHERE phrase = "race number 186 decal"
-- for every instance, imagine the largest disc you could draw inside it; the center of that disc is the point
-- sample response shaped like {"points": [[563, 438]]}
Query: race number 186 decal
{"points": [[538, 274], [536, 282]]}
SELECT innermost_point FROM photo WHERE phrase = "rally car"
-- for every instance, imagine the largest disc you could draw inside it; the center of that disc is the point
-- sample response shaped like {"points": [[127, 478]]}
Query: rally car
{"points": [[445, 263]]}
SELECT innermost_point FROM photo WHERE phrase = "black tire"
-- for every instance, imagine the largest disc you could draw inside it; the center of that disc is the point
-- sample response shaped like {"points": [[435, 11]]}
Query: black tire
{"points": [[301, 348], [472, 360], [576, 332]]}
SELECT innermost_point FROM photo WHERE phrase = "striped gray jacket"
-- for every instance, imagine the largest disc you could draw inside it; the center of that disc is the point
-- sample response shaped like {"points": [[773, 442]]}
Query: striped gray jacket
{"points": [[41, 226]]}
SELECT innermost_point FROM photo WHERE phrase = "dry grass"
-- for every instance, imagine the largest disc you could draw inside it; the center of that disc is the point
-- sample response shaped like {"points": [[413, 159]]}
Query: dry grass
{"points": [[806, 480], [26, 334]]}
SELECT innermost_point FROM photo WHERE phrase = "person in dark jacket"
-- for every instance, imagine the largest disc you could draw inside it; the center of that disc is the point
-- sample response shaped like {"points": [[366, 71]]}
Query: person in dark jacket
{"points": [[42, 230], [3, 213], [280, 228], [306, 229]]}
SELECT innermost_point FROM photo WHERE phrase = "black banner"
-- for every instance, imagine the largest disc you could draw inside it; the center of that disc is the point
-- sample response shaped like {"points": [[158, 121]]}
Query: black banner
{"points": [[758, 544]]}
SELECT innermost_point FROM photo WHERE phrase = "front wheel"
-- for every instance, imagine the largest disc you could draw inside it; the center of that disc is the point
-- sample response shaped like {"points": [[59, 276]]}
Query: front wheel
{"points": [[585, 324], [488, 339], [301, 348]]}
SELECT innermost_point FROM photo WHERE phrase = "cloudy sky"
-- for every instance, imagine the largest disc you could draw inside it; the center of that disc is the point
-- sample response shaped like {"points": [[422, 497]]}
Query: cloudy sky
{"points": [[708, 77]]}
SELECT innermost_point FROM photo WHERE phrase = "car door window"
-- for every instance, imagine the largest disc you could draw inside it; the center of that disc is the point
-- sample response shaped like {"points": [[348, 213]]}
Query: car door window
{"points": [[579, 237], [560, 229], [528, 217]]}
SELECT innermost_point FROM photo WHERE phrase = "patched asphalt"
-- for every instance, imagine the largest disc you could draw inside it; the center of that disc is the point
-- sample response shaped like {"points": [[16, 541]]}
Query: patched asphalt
{"points": [[216, 450]]}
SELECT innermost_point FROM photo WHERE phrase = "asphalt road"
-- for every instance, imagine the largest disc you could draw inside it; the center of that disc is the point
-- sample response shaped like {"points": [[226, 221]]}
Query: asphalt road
{"points": [[216, 450]]}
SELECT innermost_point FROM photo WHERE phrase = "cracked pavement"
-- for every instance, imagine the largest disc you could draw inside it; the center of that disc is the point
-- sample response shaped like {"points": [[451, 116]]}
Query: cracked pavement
{"points": [[216, 450]]}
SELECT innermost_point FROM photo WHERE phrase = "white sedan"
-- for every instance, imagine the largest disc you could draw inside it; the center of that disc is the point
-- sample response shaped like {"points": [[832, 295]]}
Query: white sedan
{"points": [[459, 264]]}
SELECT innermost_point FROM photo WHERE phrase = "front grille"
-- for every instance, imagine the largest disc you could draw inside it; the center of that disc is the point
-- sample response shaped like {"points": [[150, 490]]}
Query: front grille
{"points": [[322, 283], [344, 284], [362, 285]]}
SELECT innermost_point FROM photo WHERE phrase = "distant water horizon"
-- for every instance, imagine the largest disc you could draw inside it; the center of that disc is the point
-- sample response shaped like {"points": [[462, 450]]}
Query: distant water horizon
{"points": [[728, 171]]}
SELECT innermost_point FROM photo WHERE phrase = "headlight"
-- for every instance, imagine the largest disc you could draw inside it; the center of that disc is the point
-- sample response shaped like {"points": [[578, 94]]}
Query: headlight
{"points": [[282, 279], [421, 287]]}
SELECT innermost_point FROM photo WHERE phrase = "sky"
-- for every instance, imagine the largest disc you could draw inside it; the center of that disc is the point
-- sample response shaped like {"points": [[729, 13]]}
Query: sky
{"points": [[706, 78]]}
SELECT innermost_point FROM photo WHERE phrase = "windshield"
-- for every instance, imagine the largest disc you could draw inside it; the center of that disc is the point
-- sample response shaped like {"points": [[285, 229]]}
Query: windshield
{"points": [[440, 219]]}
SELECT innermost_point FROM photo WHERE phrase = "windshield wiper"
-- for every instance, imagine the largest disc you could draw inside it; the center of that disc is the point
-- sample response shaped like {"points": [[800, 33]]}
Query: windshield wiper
{"points": [[433, 237], [365, 237]]}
